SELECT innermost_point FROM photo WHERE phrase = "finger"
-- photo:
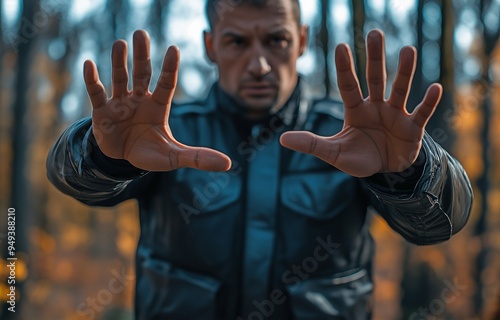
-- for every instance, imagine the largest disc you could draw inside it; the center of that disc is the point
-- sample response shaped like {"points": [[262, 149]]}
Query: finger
{"points": [[347, 80], [142, 63], [203, 159], [167, 82], [404, 78], [119, 72], [307, 142], [426, 108], [94, 86], [375, 70]]}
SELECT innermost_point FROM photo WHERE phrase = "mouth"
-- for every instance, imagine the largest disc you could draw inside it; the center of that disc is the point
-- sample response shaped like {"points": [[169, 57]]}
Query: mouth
{"points": [[258, 89]]}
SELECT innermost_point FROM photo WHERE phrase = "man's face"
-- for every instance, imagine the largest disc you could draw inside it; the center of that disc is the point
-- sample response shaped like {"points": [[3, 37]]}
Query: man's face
{"points": [[256, 50]]}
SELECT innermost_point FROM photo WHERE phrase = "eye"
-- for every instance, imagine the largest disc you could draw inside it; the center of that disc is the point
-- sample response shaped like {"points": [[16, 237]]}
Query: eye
{"points": [[237, 42], [279, 41]]}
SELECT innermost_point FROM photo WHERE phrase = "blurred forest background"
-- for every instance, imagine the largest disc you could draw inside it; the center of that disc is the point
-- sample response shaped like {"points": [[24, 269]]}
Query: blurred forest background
{"points": [[70, 254]]}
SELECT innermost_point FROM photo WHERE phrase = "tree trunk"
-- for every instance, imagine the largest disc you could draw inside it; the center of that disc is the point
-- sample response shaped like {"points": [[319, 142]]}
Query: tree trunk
{"points": [[21, 198], [483, 182], [419, 278], [438, 127], [325, 43], [418, 84], [358, 10], [2, 45], [159, 10], [118, 10]]}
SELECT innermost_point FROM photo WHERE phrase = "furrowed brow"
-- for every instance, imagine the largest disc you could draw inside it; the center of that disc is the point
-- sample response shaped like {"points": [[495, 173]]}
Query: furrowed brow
{"points": [[280, 31], [232, 34]]}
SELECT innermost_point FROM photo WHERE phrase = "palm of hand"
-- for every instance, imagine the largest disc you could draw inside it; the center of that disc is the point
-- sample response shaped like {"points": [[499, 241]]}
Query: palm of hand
{"points": [[382, 139], [378, 135], [123, 132], [133, 125]]}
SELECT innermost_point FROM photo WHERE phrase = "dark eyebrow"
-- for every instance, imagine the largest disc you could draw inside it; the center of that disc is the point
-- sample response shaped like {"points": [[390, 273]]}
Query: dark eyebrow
{"points": [[279, 32], [231, 34]]}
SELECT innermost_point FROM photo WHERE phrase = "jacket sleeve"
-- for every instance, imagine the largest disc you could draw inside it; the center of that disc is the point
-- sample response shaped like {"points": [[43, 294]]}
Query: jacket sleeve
{"points": [[427, 203], [78, 168]]}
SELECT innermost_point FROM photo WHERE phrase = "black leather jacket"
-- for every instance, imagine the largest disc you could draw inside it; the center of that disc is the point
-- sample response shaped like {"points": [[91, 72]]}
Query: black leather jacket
{"points": [[282, 235]]}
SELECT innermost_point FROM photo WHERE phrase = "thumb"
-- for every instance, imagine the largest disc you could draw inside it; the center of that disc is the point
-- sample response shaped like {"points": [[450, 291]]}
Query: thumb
{"points": [[306, 142], [204, 159]]}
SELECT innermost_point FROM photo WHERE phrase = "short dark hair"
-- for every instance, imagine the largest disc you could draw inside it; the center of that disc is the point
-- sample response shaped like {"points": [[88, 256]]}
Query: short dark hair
{"points": [[213, 9]]}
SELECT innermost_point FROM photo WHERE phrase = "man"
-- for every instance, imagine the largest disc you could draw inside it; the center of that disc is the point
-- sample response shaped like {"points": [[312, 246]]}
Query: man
{"points": [[282, 234]]}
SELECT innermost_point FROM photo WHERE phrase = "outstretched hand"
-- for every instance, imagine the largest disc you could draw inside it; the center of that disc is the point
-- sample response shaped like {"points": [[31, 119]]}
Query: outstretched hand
{"points": [[133, 125], [378, 135]]}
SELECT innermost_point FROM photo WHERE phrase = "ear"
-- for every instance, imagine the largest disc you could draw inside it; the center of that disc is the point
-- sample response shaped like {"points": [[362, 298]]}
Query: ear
{"points": [[208, 39], [304, 37]]}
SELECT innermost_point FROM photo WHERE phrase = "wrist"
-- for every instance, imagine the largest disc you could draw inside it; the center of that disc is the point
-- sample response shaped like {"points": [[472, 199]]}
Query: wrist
{"points": [[118, 168], [400, 182]]}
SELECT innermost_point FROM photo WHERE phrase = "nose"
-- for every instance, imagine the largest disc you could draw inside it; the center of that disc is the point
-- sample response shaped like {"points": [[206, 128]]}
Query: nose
{"points": [[258, 65]]}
